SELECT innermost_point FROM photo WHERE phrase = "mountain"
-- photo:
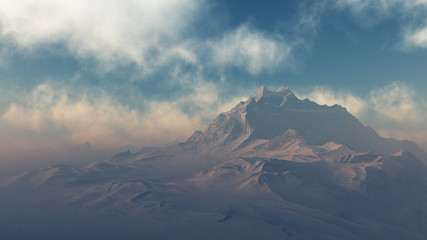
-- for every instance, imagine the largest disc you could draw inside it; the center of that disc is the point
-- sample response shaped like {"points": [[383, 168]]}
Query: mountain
{"points": [[273, 167], [268, 114]]}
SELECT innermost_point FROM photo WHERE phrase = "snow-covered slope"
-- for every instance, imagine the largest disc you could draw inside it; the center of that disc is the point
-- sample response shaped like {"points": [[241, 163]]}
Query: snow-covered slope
{"points": [[273, 167]]}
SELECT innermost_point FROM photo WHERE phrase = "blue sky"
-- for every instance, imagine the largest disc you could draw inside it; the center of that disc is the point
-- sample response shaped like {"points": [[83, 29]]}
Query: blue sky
{"points": [[134, 72]]}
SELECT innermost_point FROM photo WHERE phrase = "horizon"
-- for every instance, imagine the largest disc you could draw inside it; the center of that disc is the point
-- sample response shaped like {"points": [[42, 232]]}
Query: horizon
{"points": [[132, 74]]}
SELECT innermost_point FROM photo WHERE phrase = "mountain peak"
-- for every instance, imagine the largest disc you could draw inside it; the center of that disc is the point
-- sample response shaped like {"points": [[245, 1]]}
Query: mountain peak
{"points": [[283, 89], [273, 97], [270, 113], [261, 92]]}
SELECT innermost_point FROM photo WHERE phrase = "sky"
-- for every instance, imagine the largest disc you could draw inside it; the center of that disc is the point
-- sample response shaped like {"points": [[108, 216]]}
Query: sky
{"points": [[111, 74]]}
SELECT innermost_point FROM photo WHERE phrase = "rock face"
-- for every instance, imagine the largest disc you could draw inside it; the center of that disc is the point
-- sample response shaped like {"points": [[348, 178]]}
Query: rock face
{"points": [[273, 167]]}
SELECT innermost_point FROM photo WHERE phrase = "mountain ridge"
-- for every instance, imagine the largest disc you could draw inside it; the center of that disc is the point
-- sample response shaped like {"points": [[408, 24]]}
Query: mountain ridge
{"points": [[268, 114]]}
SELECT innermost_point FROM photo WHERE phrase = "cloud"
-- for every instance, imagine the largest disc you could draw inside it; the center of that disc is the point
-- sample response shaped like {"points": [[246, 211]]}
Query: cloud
{"points": [[416, 38], [51, 114], [397, 102], [383, 7], [150, 35], [109, 31], [57, 115], [249, 49], [410, 14], [354, 104]]}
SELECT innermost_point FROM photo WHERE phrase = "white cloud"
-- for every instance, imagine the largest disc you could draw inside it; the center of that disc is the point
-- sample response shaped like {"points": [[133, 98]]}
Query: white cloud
{"points": [[397, 102], [250, 49], [113, 32], [150, 34], [416, 38], [381, 6], [355, 105]]}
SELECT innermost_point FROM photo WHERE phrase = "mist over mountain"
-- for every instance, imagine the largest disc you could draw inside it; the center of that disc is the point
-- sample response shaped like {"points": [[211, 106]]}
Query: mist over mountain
{"points": [[273, 167]]}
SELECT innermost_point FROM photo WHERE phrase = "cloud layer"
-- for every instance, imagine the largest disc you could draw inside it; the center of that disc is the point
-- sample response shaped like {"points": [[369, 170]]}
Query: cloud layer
{"points": [[63, 115], [149, 34], [98, 119], [55, 114], [111, 32], [398, 102]]}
